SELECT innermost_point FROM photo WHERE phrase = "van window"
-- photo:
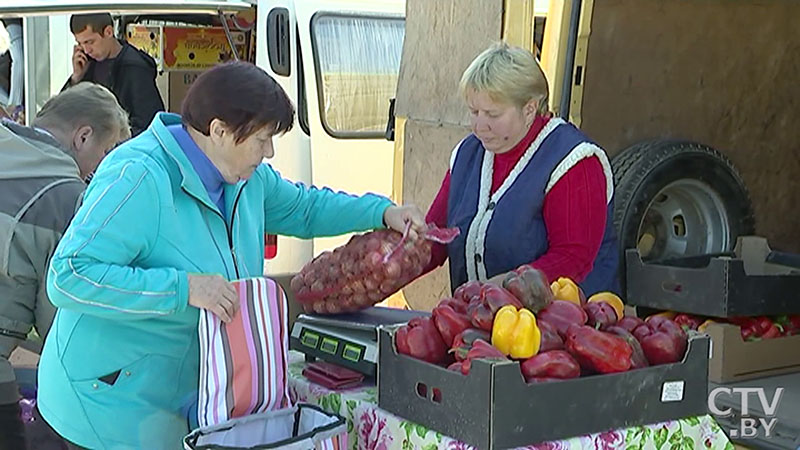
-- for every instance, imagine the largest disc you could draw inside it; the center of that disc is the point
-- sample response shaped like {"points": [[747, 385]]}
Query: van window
{"points": [[357, 61]]}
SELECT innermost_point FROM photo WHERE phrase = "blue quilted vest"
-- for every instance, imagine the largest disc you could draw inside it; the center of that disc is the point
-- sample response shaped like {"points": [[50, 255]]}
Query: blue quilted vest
{"points": [[505, 230]]}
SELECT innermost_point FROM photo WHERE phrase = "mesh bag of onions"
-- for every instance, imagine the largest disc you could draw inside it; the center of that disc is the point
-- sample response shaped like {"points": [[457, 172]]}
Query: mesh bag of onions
{"points": [[366, 270]]}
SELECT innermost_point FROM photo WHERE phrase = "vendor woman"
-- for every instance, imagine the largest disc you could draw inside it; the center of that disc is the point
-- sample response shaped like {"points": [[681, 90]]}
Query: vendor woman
{"points": [[524, 187]]}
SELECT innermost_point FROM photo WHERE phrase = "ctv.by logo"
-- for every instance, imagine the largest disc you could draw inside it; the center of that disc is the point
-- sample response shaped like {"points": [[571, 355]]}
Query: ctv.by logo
{"points": [[748, 426]]}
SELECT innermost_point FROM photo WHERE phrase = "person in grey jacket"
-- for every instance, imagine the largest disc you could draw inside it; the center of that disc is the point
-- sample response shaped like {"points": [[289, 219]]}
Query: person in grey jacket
{"points": [[42, 172]]}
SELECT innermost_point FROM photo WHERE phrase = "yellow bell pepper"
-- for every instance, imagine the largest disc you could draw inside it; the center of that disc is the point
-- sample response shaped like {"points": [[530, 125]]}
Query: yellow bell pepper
{"points": [[515, 332], [566, 289], [704, 325], [611, 299]]}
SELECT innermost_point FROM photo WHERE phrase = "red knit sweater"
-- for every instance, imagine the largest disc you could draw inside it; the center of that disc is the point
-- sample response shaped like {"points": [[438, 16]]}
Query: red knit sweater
{"points": [[574, 212]]}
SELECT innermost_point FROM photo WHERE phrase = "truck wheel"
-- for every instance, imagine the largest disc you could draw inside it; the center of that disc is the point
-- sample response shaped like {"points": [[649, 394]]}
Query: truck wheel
{"points": [[675, 199]]}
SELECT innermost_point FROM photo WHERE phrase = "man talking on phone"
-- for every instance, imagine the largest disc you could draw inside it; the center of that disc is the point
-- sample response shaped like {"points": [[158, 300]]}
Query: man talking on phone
{"points": [[126, 71]]}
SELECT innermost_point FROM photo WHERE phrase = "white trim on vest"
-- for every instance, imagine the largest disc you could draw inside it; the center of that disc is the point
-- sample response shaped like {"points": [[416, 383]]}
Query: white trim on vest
{"points": [[476, 237], [454, 153], [582, 151]]}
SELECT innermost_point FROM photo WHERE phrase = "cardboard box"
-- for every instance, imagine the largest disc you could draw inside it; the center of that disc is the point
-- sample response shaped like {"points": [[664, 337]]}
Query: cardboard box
{"points": [[147, 39], [493, 407], [752, 281], [179, 83], [193, 48], [733, 359]]}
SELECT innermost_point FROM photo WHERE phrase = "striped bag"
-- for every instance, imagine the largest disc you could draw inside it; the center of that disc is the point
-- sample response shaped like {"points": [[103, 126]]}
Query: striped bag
{"points": [[302, 427], [243, 364]]}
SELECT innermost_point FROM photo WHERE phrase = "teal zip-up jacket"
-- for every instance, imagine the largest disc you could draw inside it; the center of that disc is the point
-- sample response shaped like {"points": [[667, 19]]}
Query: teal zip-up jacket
{"points": [[120, 366]]}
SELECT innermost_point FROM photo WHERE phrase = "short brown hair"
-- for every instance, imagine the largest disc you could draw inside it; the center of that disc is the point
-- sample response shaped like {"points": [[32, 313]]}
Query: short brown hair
{"points": [[240, 94], [85, 104], [98, 22]]}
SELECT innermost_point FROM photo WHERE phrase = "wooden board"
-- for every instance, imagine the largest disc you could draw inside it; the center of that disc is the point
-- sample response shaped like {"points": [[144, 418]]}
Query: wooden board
{"points": [[425, 163], [442, 38], [718, 72]]}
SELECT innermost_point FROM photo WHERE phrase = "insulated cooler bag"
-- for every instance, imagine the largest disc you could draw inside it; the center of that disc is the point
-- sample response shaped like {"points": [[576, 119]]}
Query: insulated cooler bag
{"points": [[243, 400], [298, 428], [243, 364]]}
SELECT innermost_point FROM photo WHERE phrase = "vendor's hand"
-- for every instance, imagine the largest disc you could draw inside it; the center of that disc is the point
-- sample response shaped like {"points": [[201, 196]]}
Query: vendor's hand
{"points": [[396, 218], [215, 294], [80, 63]]}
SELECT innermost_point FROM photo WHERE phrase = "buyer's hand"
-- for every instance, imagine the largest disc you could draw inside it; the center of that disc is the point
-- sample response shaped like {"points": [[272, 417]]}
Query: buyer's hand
{"points": [[396, 218], [80, 63], [215, 294]]}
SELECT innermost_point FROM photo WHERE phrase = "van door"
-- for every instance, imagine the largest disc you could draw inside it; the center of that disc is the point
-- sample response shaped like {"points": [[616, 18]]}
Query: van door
{"points": [[277, 52], [339, 62], [351, 73]]}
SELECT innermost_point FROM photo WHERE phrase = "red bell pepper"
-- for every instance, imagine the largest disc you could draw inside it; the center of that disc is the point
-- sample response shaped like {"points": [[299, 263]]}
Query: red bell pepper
{"points": [[749, 333], [749, 327], [420, 339], [600, 314], [480, 350], [658, 347], [468, 291], [550, 338], [481, 309], [597, 350], [662, 341], [480, 315], [456, 304], [464, 340], [496, 297], [629, 323], [553, 364], [773, 332], [666, 325], [449, 322], [765, 328], [687, 321], [561, 314], [530, 287], [790, 324], [763, 325], [638, 359], [756, 328]]}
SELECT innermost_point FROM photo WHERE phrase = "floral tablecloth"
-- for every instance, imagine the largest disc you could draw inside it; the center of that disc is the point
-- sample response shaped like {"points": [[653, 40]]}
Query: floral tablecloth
{"points": [[372, 428]]}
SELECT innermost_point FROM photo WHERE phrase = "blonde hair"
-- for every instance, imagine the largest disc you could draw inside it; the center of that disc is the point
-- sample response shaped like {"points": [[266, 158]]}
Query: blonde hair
{"points": [[508, 74], [85, 104]]}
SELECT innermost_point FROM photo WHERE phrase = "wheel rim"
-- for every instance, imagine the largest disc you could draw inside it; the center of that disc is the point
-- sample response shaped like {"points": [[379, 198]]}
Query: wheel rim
{"points": [[687, 217]]}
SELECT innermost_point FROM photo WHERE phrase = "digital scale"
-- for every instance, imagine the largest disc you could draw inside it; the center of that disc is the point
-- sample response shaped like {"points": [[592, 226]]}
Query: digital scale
{"points": [[349, 340]]}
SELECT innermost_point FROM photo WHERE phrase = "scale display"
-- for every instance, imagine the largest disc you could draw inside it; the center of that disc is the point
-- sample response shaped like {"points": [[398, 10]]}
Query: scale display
{"points": [[349, 340], [331, 345]]}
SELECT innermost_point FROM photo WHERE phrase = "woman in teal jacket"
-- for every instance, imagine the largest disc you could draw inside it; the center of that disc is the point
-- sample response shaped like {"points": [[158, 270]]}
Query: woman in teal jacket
{"points": [[169, 218]]}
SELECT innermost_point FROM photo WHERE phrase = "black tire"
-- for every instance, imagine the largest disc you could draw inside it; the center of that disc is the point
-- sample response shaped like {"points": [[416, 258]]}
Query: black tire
{"points": [[641, 173]]}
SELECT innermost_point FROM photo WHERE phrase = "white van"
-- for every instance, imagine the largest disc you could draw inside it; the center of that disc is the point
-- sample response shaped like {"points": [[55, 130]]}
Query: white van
{"points": [[337, 59]]}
